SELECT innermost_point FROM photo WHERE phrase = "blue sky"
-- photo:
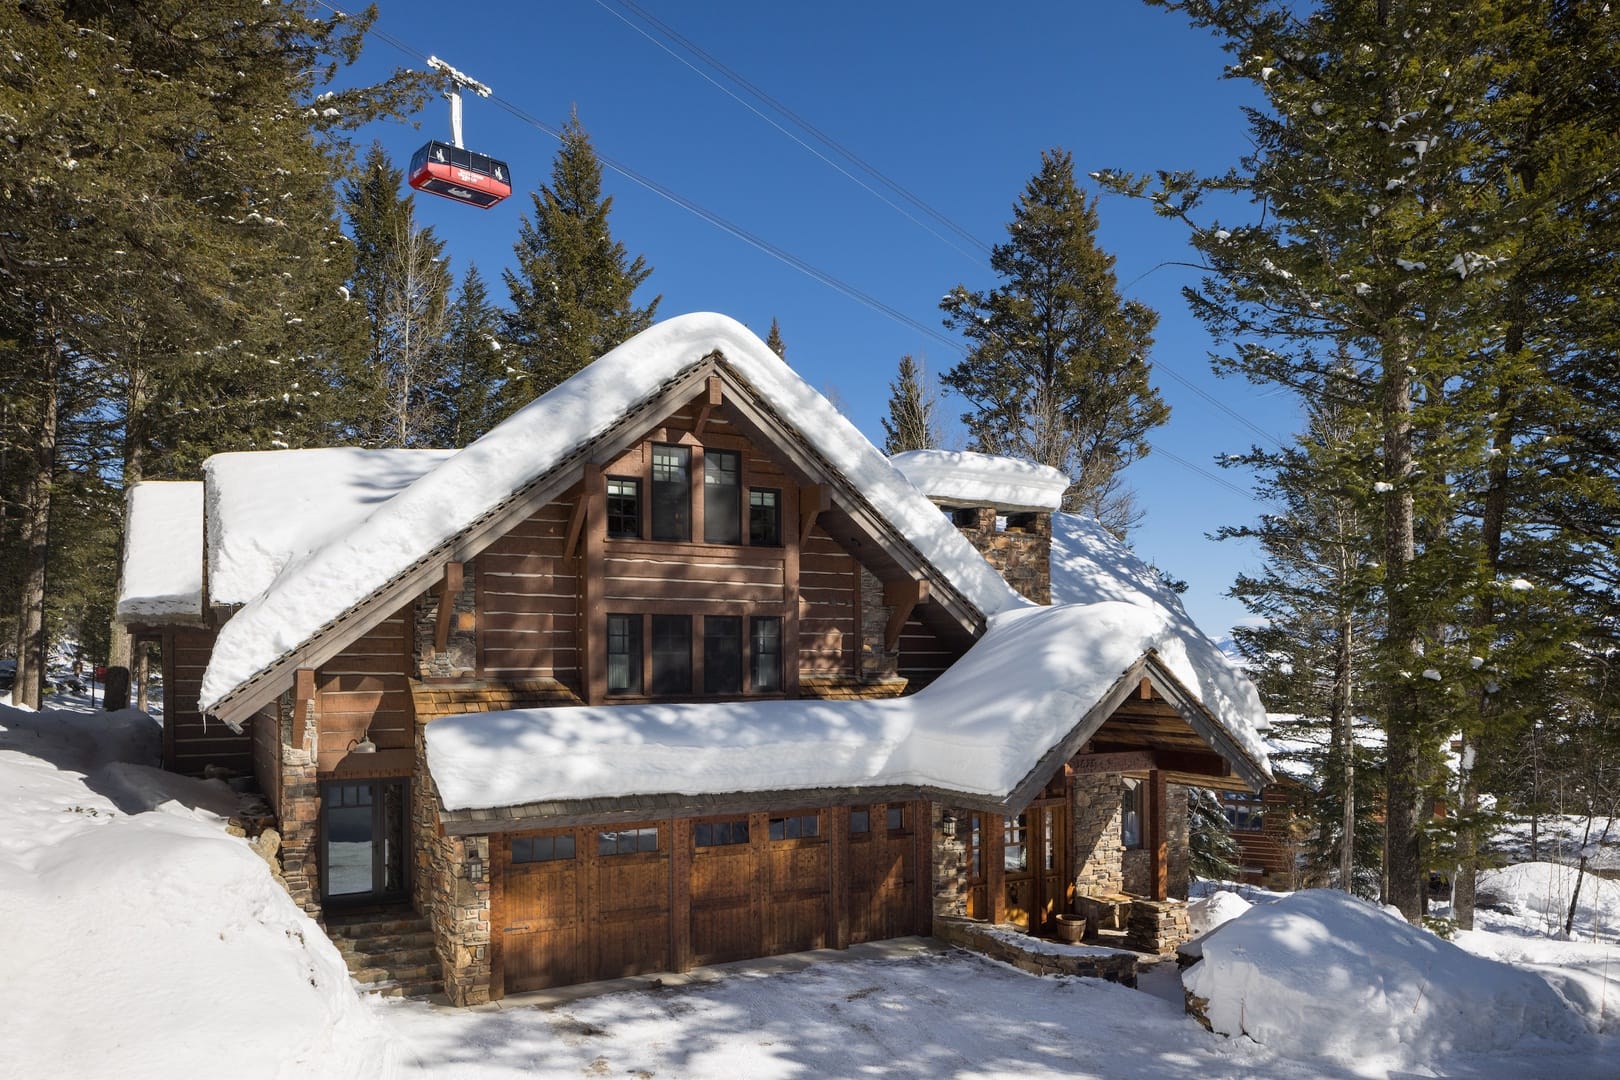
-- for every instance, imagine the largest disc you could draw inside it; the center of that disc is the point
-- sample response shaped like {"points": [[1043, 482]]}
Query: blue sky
{"points": [[953, 101]]}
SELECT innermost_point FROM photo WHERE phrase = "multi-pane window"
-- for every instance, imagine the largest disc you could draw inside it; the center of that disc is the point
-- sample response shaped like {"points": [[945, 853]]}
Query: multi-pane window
{"points": [[860, 821], [1015, 844], [626, 841], [1130, 815], [623, 507], [764, 517], [722, 654], [720, 833], [671, 654], [624, 654], [531, 849], [1243, 811], [722, 497], [799, 827], [895, 819], [671, 493], [975, 846], [766, 654]]}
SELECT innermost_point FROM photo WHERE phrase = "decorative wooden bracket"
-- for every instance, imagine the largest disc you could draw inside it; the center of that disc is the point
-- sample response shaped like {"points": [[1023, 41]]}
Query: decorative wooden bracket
{"points": [[903, 596], [813, 499], [448, 590], [710, 401], [576, 521], [303, 704]]}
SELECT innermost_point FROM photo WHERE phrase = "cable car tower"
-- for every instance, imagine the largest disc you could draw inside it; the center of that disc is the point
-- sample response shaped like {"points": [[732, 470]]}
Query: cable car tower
{"points": [[451, 171]]}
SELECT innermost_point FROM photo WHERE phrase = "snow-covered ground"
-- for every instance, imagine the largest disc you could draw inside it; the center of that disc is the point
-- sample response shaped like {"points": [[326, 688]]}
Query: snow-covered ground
{"points": [[140, 940]]}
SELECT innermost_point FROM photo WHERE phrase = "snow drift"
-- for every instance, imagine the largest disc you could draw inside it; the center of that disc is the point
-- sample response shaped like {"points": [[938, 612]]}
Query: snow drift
{"points": [[1322, 974]]}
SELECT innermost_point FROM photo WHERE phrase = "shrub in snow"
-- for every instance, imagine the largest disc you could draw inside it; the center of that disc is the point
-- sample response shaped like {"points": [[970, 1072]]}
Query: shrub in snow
{"points": [[1322, 974]]}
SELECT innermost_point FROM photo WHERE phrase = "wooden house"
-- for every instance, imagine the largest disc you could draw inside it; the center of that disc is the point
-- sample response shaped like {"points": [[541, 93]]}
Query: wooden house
{"points": [[673, 668]]}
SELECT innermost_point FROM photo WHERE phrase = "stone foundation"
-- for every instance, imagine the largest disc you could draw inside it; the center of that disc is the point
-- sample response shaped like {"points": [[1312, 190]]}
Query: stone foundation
{"points": [[1012, 946], [298, 806]]}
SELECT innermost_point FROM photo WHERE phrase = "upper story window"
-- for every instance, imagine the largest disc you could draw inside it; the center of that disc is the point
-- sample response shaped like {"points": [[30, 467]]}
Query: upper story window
{"points": [[765, 517], [671, 654], [623, 507], [722, 497], [624, 654], [860, 821], [797, 827], [671, 493], [766, 653]]}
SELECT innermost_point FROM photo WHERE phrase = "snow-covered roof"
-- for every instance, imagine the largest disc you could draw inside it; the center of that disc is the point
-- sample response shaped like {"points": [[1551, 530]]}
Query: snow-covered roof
{"points": [[962, 478], [979, 729], [267, 508], [316, 589], [163, 552]]}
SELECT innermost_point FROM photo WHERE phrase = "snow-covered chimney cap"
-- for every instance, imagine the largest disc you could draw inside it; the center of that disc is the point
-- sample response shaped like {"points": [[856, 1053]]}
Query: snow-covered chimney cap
{"points": [[961, 478]]}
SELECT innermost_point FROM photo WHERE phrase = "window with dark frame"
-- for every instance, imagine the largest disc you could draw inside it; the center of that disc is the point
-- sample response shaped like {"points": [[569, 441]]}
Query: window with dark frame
{"points": [[626, 841], [722, 654], [533, 849], [671, 493], [624, 654], [1244, 811], [1132, 804], [796, 827], [860, 821], [895, 819], [671, 654], [766, 654], [720, 833], [722, 497], [764, 517], [623, 507]]}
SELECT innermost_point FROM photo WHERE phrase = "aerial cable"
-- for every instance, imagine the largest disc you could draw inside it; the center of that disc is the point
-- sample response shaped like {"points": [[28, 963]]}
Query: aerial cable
{"points": [[827, 140], [976, 259]]}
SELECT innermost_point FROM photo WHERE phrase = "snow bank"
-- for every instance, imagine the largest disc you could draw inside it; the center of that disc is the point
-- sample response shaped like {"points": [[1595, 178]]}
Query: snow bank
{"points": [[1321, 974], [267, 508], [317, 588], [1540, 892], [163, 551], [978, 729], [961, 478], [151, 944], [1207, 912]]}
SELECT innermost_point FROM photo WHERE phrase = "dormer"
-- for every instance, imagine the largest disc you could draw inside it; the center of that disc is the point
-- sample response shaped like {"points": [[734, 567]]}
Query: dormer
{"points": [[1002, 505]]}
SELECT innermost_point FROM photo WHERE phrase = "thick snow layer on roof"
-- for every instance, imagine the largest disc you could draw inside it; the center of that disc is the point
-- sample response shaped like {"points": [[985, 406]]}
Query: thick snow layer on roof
{"points": [[962, 478], [978, 729], [1089, 566], [318, 588], [163, 551], [267, 508], [1322, 974]]}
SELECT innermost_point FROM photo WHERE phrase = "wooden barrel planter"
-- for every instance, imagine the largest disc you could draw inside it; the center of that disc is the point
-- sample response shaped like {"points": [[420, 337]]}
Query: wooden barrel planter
{"points": [[1071, 929]]}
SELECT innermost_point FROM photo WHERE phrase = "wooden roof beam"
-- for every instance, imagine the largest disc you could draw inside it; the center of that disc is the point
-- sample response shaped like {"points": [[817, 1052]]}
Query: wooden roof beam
{"points": [[903, 597], [449, 588], [712, 399], [813, 499]]}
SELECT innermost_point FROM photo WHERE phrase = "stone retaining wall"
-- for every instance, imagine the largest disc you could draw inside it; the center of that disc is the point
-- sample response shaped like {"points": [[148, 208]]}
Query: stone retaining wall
{"points": [[1035, 955]]}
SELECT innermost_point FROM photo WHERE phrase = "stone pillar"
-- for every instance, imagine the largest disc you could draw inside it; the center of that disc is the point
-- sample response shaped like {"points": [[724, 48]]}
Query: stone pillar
{"points": [[1157, 926], [878, 664], [1178, 838], [300, 811], [950, 867], [452, 888]]}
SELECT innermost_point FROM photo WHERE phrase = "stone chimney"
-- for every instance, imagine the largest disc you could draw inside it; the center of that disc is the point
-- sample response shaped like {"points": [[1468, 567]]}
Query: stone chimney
{"points": [[1017, 543]]}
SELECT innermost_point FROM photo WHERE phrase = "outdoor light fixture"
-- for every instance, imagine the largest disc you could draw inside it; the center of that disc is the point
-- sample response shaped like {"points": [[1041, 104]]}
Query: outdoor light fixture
{"points": [[475, 865], [947, 824], [362, 745]]}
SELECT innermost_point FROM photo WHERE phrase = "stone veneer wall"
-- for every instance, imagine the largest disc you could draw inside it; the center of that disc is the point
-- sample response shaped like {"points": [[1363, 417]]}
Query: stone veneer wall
{"points": [[878, 665], [454, 897], [1098, 855], [1022, 555], [460, 656], [1038, 956], [1138, 864], [299, 810]]}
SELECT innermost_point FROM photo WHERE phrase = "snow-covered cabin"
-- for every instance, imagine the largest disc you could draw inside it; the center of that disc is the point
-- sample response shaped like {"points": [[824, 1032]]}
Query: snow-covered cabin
{"points": [[673, 667]]}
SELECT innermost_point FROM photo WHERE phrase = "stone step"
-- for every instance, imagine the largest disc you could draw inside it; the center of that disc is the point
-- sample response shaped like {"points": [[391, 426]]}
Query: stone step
{"points": [[408, 990], [390, 973], [366, 927], [421, 939]]}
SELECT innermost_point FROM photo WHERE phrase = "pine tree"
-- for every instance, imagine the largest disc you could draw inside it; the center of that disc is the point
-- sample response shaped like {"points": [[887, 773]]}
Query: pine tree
{"points": [[573, 289], [474, 366], [1212, 853], [1057, 371], [1403, 192], [910, 424], [403, 282], [774, 342]]}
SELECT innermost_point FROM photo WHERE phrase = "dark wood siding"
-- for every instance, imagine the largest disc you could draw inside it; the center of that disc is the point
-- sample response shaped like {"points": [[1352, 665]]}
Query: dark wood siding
{"points": [[363, 691], [923, 655], [529, 600], [191, 743], [829, 607]]}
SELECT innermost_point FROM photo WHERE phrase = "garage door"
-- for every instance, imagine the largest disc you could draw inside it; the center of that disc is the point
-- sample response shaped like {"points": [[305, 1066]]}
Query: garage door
{"points": [[882, 871]]}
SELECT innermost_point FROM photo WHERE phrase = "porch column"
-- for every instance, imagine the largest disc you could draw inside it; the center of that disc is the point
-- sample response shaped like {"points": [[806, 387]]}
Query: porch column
{"points": [[1157, 834]]}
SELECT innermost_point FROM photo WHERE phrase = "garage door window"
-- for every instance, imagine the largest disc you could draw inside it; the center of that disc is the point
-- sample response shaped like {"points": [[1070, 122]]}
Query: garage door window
{"points": [[801, 827], [532, 849], [720, 833], [626, 841]]}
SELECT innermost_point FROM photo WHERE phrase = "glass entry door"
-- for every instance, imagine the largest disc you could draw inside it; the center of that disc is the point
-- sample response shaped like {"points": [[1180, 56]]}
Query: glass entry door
{"points": [[363, 840]]}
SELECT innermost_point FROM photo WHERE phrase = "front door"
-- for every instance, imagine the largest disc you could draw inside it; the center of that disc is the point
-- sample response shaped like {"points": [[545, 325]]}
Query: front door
{"points": [[363, 841]]}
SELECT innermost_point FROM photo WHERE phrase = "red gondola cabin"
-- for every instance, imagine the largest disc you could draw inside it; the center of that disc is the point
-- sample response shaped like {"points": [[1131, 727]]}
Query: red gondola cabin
{"points": [[442, 169]]}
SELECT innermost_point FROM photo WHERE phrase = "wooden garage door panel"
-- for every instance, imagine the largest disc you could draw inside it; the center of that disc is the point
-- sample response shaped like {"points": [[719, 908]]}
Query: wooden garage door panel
{"points": [[629, 885], [797, 868], [720, 935], [542, 899], [630, 946], [722, 874], [535, 961]]}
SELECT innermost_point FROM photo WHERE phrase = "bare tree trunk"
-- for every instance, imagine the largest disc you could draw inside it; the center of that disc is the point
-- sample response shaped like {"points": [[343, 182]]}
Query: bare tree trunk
{"points": [[33, 639], [1344, 730]]}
